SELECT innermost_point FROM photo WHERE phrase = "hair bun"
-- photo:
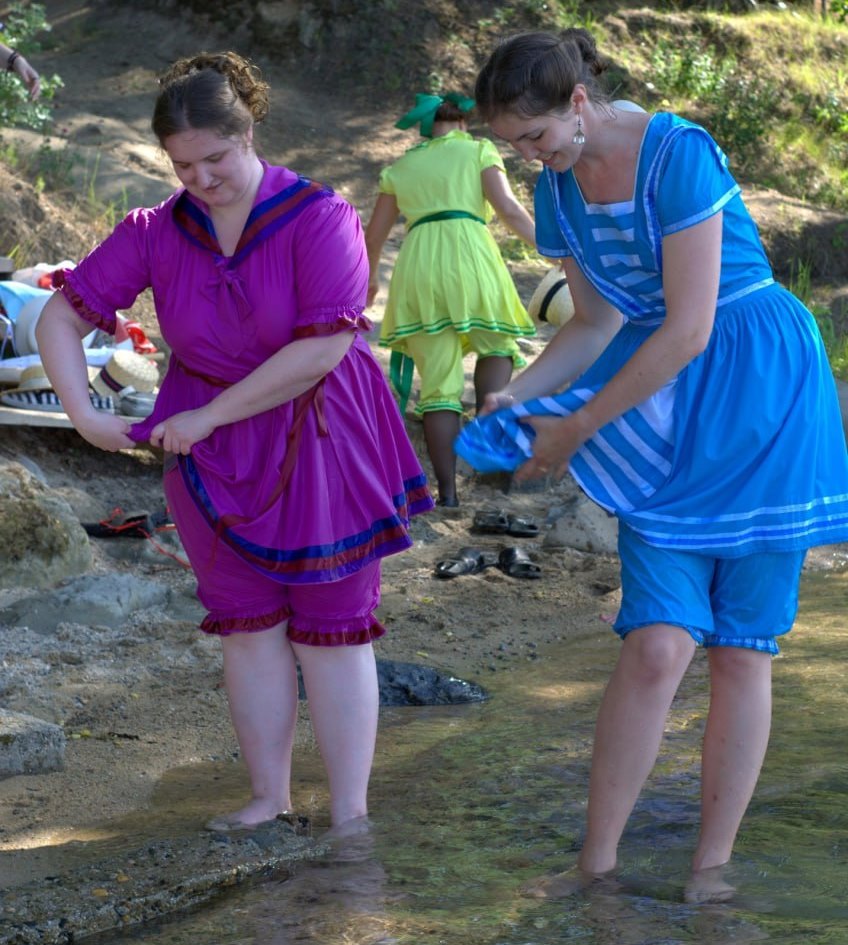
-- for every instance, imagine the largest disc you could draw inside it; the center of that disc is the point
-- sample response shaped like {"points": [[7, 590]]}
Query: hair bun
{"points": [[244, 77], [585, 42]]}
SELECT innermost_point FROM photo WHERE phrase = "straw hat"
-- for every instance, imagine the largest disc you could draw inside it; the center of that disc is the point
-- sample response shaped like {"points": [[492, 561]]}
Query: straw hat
{"points": [[33, 377], [126, 372], [551, 302]]}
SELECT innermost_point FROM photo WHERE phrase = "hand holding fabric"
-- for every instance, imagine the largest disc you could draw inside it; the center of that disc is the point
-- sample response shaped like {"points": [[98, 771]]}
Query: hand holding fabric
{"points": [[179, 433], [497, 400], [105, 431], [557, 440]]}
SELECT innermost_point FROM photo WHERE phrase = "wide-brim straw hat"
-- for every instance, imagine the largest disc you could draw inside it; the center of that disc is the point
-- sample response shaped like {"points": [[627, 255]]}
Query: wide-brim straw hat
{"points": [[551, 303], [125, 371]]}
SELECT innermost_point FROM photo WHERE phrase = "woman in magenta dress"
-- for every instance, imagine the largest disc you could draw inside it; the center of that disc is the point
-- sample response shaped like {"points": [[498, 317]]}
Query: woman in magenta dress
{"points": [[288, 472]]}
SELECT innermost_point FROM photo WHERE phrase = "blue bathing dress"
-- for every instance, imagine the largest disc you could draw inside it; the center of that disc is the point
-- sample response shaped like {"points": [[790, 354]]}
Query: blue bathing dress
{"points": [[743, 451]]}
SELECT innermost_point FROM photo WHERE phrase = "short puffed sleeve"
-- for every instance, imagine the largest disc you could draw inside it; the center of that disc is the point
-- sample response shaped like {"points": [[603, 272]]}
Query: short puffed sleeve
{"points": [[386, 184], [113, 274], [694, 182], [549, 238], [331, 266], [489, 155]]}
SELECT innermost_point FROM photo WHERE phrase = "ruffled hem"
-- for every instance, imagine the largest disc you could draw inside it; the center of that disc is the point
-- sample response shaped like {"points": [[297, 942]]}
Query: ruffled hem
{"points": [[221, 626], [350, 633], [76, 296], [350, 320]]}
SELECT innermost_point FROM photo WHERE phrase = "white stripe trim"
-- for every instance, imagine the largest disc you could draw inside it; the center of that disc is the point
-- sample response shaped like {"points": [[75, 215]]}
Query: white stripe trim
{"points": [[621, 259], [742, 516], [602, 234]]}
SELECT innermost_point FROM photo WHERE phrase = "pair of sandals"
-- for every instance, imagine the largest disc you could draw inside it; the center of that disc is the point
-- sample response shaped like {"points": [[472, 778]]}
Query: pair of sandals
{"points": [[514, 562], [498, 522]]}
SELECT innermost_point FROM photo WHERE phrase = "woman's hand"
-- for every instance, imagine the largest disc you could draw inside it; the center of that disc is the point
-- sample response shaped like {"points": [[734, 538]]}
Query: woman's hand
{"points": [[105, 431], [29, 76], [497, 400], [179, 433], [557, 440]]}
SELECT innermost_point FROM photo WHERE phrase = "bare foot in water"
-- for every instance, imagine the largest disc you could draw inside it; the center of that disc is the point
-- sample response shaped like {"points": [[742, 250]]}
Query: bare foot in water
{"points": [[709, 885], [350, 841], [566, 884], [257, 813]]}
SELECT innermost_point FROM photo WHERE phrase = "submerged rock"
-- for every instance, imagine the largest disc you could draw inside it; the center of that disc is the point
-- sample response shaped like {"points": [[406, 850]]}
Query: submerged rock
{"points": [[412, 684]]}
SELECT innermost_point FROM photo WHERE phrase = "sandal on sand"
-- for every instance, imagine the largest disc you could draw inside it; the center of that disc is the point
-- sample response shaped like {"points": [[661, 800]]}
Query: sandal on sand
{"points": [[498, 522], [466, 561], [516, 563]]}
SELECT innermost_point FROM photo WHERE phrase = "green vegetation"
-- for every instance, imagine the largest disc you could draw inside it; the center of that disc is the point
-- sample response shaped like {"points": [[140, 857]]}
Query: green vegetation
{"points": [[771, 85], [23, 23]]}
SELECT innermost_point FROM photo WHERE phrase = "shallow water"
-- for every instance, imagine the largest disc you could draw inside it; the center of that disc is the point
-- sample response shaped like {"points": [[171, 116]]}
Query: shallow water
{"points": [[471, 802]]}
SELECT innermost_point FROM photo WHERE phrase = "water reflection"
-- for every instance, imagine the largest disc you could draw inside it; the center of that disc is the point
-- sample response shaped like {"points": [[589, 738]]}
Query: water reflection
{"points": [[472, 802]]}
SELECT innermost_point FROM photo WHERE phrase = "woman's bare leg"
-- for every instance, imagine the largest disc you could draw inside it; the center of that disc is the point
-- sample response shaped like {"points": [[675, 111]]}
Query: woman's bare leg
{"points": [[629, 730], [260, 676], [735, 743], [341, 686]]}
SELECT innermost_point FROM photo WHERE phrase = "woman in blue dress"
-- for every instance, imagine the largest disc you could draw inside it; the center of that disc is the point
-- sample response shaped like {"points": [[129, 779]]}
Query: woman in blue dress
{"points": [[690, 395]]}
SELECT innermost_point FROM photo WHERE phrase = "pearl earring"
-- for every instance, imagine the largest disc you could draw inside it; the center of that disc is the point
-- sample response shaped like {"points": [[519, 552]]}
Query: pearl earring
{"points": [[579, 137]]}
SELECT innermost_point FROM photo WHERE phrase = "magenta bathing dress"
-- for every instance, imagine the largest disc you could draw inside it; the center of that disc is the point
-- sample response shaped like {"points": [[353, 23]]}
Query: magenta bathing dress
{"points": [[311, 491]]}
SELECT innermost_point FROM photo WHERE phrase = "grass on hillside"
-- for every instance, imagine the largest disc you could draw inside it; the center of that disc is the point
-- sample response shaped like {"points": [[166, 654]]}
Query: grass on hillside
{"points": [[771, 85]]}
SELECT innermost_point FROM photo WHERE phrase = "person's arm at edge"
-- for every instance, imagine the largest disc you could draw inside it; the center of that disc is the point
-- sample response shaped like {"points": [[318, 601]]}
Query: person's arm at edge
{"points": [[377, 231], [13, 61]]}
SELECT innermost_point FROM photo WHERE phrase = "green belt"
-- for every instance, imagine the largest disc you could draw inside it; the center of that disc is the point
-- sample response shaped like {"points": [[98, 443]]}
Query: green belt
{"points": [[401, 366], [447, 215]]}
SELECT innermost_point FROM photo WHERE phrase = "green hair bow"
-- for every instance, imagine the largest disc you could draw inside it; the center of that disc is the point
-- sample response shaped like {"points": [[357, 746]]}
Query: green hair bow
{"points": [[426, 107]]}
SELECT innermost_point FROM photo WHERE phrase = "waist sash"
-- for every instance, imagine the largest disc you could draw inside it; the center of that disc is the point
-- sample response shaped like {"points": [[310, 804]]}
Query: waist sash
{"points": [[447, 215]]}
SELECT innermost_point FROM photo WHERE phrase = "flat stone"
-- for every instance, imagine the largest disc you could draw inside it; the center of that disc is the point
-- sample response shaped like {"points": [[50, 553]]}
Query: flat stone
{"points": [[581, 524], [29, 745], [91, 599]]}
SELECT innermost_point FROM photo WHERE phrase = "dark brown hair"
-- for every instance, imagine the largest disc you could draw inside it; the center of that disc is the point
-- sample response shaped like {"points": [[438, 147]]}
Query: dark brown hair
{"points": [[534, 73], [221, 92], [449, 111]]}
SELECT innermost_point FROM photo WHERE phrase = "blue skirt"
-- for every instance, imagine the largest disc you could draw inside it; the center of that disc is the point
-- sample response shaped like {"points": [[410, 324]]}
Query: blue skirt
{"points": [[743, 452]]}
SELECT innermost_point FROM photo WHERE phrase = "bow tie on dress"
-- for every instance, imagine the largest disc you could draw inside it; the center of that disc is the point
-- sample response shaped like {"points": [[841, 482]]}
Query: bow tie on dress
{"points": [[228, 287]]}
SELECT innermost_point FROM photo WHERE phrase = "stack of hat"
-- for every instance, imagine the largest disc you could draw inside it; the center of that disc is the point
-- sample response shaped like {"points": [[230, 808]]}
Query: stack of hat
{"points": [[130, 379], [35, 392], [551, 303]]}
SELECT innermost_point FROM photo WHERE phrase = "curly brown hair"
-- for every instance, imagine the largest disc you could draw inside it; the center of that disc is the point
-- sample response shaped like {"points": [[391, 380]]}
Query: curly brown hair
{"points": [[219, 91]]}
